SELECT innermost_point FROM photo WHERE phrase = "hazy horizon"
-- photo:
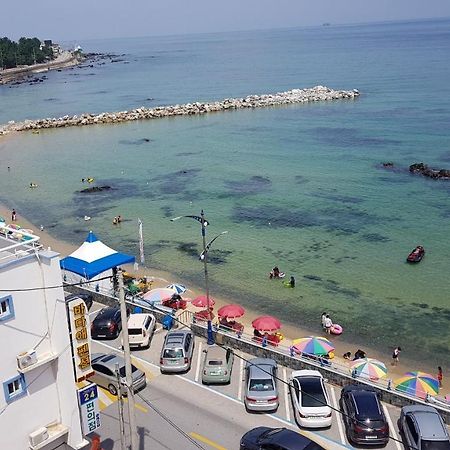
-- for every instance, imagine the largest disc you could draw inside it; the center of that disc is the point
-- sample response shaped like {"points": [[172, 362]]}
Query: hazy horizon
{"points": [[114, 19]]}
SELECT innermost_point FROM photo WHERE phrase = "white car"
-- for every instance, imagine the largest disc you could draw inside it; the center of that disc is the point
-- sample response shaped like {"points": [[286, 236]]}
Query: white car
{"points": [[310, 399]]}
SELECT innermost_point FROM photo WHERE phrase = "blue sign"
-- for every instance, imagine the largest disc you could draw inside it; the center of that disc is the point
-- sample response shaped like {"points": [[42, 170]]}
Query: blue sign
{"points": [[88, 394]]}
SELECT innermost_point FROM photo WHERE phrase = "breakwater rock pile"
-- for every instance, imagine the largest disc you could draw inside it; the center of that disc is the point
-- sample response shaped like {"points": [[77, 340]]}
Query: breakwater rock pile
{"points": [[426, 171], [315, 94]]}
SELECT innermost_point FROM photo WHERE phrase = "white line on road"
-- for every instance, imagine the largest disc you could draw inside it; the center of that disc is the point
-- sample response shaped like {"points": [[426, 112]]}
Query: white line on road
{"points": [[197, 370], [241, 377], [286, 396], [392, 431], [338, 417]]}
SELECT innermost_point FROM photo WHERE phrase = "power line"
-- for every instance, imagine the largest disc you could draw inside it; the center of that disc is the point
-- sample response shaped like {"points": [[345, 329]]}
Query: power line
{"points": [[80, 283], [277, 378], [172, 424]]}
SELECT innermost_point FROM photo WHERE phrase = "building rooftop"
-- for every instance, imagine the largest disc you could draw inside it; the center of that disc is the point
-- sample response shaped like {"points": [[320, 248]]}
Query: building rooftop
{"points": [[16, 243]]}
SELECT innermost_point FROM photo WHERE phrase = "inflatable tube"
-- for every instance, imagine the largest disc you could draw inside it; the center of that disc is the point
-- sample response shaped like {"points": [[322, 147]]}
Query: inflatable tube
{"points": [[336, 329]]}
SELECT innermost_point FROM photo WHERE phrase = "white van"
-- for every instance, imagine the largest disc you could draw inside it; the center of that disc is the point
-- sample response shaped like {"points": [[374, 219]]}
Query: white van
{"points": [[140, 329]]}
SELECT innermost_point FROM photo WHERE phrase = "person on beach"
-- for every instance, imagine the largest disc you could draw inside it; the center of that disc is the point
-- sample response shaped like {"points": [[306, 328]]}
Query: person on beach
{"points": [[396, 355], [440, 376], [13, 215], [347, 355], [292, 282], [322, 321], [274, 273], [115, 222], [328, 324], [119, 218]]}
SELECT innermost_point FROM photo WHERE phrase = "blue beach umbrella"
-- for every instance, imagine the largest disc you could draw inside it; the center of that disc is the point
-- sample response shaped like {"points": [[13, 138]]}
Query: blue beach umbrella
{"points": [[178, 288]]}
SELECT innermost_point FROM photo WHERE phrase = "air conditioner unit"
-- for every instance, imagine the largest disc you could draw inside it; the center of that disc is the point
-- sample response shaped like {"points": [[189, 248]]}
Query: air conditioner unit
{"points": [[38, 436], [26, 359]]}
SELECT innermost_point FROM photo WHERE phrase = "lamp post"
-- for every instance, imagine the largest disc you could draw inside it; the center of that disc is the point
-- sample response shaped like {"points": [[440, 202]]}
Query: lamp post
{"points": [[204, 256]]}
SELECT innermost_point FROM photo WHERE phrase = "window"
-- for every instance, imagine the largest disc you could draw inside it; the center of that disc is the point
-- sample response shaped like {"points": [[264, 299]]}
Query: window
{"points": [[14, 388], [6, 308]]}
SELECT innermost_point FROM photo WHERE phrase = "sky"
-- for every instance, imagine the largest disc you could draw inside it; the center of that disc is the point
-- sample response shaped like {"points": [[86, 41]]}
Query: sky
{"points": [[96, 19]]}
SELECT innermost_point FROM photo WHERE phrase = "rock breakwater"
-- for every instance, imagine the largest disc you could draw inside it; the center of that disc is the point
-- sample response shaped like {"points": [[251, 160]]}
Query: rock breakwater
{"points": [[315, 94]]}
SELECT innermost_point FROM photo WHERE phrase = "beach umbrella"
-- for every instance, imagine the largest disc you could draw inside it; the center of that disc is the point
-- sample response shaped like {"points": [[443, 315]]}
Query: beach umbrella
{"points": [[178, 288], [266, 324], [231, 311], [202, 302], [313, 345], [158, 295], [418, 384], [368, 368]]}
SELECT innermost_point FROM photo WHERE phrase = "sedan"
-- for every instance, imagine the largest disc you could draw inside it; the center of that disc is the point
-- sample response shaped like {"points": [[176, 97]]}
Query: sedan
{"points": [[363, 415], [107, 324], [87, 298], [423, 428], [105, 366], [276, 438], [261, 392], [217, 365], [310, 399]]}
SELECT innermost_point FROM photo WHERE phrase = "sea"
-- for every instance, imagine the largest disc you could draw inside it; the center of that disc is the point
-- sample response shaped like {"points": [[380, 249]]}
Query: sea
{"points": [[301, 187]]}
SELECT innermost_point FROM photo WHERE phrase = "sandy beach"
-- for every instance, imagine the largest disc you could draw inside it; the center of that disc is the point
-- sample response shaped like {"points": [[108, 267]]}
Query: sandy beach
{"points": [[161, 279]]}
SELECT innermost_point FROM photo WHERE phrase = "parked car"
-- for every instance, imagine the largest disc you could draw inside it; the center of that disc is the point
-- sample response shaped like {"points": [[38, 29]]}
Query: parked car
{"points": [[105, 376], [88, 299], [310, 399], [140, 329], [422, 428], [363, 416], [217, 365], [176, 352], [261, 391], [265, 438], [107, 324]]}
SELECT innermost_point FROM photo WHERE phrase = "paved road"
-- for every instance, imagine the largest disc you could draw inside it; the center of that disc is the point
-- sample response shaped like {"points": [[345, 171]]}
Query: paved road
{"points": [[215, 415]]}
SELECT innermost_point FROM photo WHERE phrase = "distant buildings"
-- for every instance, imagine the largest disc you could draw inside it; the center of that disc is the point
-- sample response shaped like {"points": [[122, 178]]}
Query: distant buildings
{"points": [[38, 396]]}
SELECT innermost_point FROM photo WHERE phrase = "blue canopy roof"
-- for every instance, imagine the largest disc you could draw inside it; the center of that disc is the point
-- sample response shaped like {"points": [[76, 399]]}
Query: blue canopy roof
{"points": [[93, 258]]}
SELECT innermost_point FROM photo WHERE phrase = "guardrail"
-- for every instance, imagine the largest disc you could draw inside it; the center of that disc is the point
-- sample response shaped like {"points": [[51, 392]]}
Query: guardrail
{"points": [[335, 372]]}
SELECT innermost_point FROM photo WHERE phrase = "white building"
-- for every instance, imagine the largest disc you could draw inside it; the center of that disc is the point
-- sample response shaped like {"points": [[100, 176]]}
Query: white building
{"points": [[38, 396]]}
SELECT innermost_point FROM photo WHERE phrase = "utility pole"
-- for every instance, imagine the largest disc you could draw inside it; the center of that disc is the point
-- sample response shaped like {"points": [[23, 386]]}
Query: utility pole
{"points": [[120, 405], [126, 352]]}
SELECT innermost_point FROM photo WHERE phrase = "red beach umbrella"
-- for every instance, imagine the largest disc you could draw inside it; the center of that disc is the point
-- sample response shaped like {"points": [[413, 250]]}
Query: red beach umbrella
{"points": [[231, 311], [201, 301], [266, 324]]}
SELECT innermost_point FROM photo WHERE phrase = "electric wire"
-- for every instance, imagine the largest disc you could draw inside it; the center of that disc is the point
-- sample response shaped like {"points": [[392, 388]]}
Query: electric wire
{"points": [[342, 413], [170, 422], [79, 283]]}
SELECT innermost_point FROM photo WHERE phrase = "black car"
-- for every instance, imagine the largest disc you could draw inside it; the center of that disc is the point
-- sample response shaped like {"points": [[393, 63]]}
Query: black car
{"points": [[87, 298], [107, 324], [265, 438], [363, 415]]}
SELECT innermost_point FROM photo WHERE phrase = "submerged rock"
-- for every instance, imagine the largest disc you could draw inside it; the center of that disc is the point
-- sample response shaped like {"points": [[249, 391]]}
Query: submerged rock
{"points": [[95, 189], [426, 171]]}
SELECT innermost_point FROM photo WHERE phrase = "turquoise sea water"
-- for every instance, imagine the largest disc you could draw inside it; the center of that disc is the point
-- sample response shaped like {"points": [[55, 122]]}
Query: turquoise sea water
{"points": [[299, 187]]}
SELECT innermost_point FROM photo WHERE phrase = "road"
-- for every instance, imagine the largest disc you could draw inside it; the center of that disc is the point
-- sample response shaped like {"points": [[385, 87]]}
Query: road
{"points": [[214, 416]]}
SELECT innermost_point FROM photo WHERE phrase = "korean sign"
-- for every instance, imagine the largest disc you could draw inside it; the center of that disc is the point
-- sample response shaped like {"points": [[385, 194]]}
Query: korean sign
{"points": [[81, 336], [90, 415]]}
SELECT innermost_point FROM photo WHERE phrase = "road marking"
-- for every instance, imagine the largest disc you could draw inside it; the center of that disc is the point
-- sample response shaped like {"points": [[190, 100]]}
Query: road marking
{"points": [[197, 370], [286, 396], [338, 417], [205, 440], [391, 427], [137, 406], [241, 377]]}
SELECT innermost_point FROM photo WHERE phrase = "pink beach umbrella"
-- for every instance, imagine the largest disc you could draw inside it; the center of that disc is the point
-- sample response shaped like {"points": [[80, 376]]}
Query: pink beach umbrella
{"points": [[231, 311], [158, 295], [202, 302], [266, 324]]}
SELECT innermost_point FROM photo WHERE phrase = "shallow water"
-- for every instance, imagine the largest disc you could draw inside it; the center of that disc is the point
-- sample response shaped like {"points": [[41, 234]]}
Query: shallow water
{"points": [[299, 187]]}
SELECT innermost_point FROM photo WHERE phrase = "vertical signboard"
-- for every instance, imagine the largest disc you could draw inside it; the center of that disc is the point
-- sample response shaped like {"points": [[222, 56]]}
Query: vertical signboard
{"points": [[81, 338], [89, 411]]}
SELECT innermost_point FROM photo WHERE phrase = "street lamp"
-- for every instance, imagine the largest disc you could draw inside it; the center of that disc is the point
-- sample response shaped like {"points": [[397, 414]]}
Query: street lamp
{"points": [[204, 257]]}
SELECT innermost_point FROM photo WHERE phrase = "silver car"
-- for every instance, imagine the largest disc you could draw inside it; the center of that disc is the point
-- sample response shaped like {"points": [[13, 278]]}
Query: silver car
{"points": [[177, 351], [217, 365], [423, 428], [261, 392], [105, 373]]}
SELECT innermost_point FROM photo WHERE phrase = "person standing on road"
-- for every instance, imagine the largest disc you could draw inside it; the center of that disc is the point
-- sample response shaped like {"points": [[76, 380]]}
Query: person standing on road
{"points": [[396, 355]]}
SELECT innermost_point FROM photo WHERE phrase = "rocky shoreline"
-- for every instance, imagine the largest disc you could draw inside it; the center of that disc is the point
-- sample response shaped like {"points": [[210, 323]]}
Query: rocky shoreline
{"points": [[315, 94]]}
